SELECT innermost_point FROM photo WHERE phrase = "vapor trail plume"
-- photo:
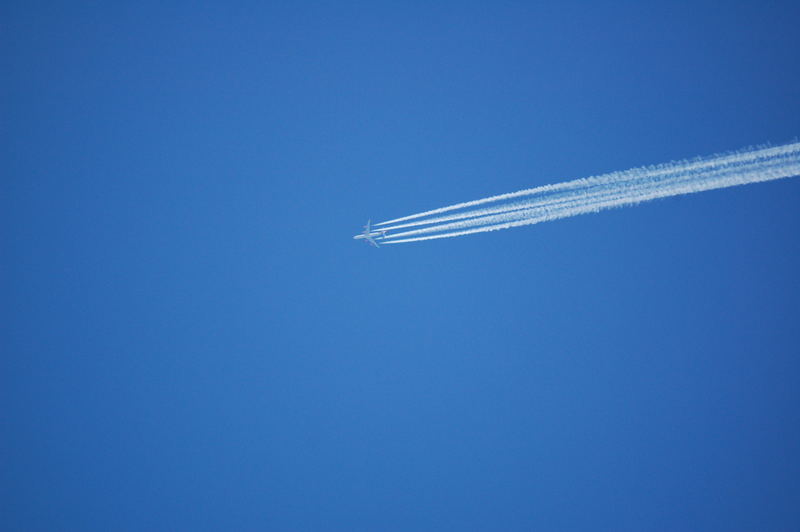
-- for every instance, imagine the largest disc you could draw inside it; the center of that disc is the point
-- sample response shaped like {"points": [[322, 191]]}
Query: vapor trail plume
{"points": [[654, 171], [593, 194]]}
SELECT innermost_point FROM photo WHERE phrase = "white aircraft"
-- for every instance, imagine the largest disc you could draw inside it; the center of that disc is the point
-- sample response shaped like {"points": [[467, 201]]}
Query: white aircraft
{"points": [[370, 235]]}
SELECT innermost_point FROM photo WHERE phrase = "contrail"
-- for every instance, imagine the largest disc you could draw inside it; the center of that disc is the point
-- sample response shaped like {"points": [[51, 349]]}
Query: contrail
{"points": [[617, 189], [623, 194], [654, 171]]}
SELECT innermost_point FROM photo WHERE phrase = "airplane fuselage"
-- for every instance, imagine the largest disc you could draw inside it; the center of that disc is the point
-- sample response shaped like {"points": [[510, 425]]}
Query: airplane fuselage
{"points": [[370, 235]]}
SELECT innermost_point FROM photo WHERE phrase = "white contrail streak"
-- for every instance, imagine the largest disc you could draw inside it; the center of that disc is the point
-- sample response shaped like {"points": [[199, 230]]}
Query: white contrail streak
{"points": [[652, 171], [600, 196], [593, 194], [555, 214]]}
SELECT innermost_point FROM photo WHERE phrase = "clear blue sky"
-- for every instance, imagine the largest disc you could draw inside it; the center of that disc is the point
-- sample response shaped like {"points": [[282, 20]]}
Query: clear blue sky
{"points": [[191, 339]]}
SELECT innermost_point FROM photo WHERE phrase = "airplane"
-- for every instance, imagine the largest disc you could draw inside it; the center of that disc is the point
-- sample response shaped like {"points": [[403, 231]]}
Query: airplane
{"points": [[369, 235]]}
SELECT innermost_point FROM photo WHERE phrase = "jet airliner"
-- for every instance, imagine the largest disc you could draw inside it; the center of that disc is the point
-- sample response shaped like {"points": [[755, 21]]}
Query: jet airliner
{"points": [[369, 235]]}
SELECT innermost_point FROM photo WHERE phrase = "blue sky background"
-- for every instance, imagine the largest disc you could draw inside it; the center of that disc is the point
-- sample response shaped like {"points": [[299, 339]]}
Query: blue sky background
{"points": [[191, 340]]}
